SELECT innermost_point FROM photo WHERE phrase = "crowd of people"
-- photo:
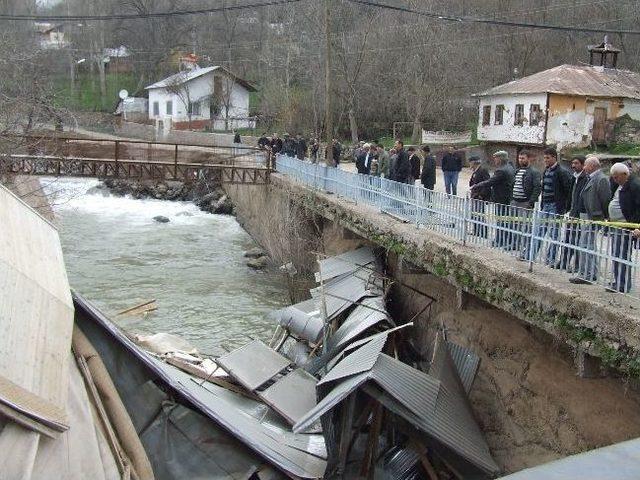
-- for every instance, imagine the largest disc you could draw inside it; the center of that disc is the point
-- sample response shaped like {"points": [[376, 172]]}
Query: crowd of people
{"points": [[566, 198]]}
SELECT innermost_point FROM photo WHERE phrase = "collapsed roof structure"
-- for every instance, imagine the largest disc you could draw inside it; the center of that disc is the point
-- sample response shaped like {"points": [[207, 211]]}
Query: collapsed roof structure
{"points": [[336, 393]]}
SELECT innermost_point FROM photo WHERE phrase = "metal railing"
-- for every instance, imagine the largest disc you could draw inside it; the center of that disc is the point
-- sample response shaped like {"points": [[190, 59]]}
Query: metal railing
{"points": [[596, 252]]}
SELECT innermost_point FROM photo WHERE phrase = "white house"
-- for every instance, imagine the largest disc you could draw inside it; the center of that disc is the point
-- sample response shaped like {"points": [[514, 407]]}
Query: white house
{"points": [[568, 105], [201, 97]]}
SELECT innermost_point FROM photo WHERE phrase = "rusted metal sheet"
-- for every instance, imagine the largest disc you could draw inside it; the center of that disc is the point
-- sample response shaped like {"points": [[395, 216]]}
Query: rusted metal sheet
{"points": [[581, 80]]}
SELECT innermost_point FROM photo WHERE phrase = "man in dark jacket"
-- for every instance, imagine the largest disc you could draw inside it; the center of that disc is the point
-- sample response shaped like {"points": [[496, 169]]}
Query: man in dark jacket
{"points": [[414, 160], [428, 176], [276, 144], [526, 190], [593, 205], [301, 147], [336, 151], [572, 232], [556, 201], [364, 160], [401, 167], [263, 141], [451, 167], [479, 196], [501, 184], [624, 208], [289, 146]]}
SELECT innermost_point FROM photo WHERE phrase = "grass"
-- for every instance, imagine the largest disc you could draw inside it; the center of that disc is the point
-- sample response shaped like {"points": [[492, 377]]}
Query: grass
{"points": [[87, 97], [619, 149]]}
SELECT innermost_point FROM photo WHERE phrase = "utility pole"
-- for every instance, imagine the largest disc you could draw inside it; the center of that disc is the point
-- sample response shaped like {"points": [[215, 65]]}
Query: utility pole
{"points": [[328, 102]]}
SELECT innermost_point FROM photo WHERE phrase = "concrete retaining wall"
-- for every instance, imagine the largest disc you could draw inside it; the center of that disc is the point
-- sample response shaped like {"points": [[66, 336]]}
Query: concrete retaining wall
{"points": [[531, 403]]}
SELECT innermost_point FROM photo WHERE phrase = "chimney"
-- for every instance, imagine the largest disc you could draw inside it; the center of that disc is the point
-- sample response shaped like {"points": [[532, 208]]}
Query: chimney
{"points": [[603, 55]]}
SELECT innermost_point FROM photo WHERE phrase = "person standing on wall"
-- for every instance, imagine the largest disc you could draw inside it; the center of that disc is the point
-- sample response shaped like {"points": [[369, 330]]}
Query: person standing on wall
{"points": [[451, 167], [556, 201], [526, 190], [572, 232], [478, 196], [414, 160], [501, 184], [624, 207], [428, 176], [594, 206], [276, 148]]}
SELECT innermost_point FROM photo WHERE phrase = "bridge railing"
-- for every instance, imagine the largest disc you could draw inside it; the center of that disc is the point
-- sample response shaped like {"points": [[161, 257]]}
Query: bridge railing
{"points": [[595, 252], [118, 149]]}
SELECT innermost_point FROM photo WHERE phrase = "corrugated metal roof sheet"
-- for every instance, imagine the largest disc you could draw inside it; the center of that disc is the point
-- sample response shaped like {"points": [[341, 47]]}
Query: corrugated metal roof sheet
{"points": [[300, 455], [361, 360], [453, 423], [347, 262], [341, 293], [253, 364], [620, 461], [292, 396], [466, 363], [582, 80], [334, 397], [364, 316]]}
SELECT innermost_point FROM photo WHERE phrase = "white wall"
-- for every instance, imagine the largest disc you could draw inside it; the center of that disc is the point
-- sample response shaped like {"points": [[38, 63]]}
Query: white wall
{"points": [[508, 132], [198, 88], [575, 127]]}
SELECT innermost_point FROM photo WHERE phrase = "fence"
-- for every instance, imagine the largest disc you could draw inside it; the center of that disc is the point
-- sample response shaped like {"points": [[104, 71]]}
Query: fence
{"points": [[593, 252]]}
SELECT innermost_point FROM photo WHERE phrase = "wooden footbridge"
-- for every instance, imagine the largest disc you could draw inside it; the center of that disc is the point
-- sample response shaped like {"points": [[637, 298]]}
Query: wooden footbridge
{"points": [[132, 159]]}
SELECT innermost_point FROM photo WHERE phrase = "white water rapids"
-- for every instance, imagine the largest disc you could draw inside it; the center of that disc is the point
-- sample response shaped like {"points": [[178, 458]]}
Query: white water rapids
{"points": [[118, 256]]}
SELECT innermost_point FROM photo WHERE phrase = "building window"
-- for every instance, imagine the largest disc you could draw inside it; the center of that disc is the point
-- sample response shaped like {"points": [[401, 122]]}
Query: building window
{"points": [[518, 118], [499, 114], [194, 108], [156, 109], [486, 115], [169, 107], [534, 114]]}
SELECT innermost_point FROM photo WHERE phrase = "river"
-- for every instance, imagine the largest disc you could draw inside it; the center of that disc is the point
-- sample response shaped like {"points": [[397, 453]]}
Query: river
{"points": [[117, 256]]}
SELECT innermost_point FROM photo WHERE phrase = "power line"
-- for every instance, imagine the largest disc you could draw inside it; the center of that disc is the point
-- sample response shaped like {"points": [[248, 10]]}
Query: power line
{"points": [[486, 21], [133, 16]]}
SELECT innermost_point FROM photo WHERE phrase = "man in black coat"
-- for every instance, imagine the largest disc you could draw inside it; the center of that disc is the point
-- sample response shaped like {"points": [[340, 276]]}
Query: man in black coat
{"points": [[276, 144], [301, 147], [428, 176], [336, 151], [501, 184], [451, 167], [263, 141], [414, 160], [401, 171], [289, 146], [625, 208], [572, 233], [364, 160], [479, 196]]}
